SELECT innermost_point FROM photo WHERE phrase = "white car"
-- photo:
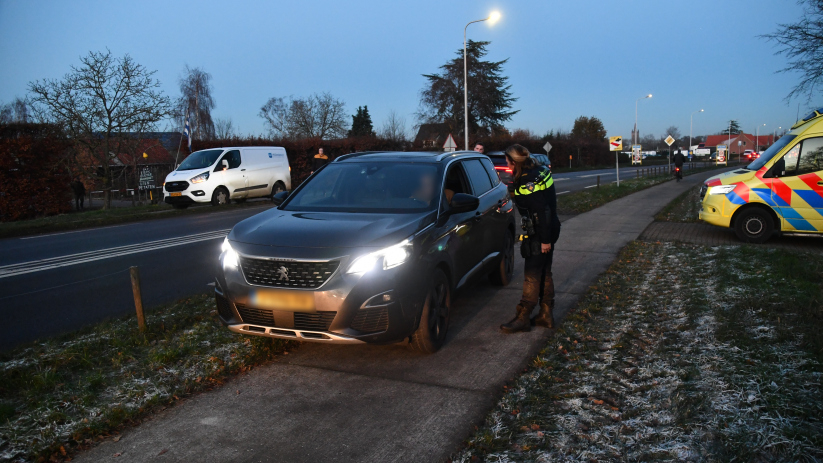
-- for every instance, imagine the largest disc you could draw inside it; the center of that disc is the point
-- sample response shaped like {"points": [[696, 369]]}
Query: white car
{"points": [[220, 175]]}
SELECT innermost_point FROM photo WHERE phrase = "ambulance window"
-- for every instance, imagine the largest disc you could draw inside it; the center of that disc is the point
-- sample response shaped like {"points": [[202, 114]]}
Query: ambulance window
{"points": [[788, 165], [811, 156]]}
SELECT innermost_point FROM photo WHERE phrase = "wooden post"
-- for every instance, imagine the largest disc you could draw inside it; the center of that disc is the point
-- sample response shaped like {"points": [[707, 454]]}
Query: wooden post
{"points": [[598, 181], [138, 297]]}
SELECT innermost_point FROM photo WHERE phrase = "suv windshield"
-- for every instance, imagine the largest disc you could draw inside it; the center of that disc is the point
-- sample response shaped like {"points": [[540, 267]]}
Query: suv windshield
{"points": [[200, 160], [771, 152], [379, 187]]}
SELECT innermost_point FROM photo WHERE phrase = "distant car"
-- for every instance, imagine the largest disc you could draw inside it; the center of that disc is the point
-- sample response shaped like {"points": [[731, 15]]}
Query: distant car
{"points": [[750, 155], [502, 167]]}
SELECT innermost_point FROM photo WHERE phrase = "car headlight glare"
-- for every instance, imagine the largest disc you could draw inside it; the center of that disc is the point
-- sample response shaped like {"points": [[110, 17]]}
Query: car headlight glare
{"points": [[392, 256], [200, 178], [722, 189], [230, 257]]}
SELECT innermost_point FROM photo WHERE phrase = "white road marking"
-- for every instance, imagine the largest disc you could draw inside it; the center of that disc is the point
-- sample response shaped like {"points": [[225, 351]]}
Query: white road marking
{"points": [[595, 175], [66, 233], [563, 192], [100, 254], [590, 186], [557, 179]]}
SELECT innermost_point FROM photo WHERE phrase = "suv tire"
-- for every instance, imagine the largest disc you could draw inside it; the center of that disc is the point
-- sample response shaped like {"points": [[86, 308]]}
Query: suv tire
{"points": [[434, 321], [753, 225], [220, 197]]}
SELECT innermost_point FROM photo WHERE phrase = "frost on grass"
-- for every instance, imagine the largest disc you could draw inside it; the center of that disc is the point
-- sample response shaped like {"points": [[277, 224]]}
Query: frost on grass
{"points": [[665, 360], [64, 393]]}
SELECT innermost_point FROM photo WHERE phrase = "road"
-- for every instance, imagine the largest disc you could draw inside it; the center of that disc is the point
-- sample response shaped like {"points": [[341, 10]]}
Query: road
{"points": [[56, 283]]}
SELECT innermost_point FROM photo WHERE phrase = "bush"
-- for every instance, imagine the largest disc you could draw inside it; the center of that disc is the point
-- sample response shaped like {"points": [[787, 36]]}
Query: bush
{"points": [[32, 182]]}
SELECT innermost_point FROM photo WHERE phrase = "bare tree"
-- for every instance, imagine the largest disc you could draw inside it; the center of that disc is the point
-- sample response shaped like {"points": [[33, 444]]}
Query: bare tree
{"points": [[196, 102], [16, 111], [319, 115], [224, 128], [673, 131], [394, 128], [97, 102], [802, 44]]}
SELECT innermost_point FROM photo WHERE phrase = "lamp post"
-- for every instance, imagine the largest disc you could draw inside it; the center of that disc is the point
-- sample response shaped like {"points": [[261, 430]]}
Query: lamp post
{"points": [[691, 126], [774, 136], [635, 115], [757, 140], [493, 17]]}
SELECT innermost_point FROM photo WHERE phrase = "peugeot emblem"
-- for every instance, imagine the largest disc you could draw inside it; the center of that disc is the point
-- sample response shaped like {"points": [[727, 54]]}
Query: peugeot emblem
{"points": [[283, 273]]}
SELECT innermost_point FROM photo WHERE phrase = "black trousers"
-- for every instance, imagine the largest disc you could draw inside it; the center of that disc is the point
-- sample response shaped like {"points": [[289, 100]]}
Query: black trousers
{"points": [[538, 285]]}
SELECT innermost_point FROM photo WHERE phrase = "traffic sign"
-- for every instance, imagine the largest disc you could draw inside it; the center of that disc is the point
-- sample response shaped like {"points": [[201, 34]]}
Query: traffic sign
{"points": [[637, 158], [547, 147], [616, 143], [450, 145], [721, 154], [669, 140]]}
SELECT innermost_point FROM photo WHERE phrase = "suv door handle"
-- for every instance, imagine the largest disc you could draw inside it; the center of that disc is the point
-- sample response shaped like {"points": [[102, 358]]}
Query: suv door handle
{"points": [[242, 170]]}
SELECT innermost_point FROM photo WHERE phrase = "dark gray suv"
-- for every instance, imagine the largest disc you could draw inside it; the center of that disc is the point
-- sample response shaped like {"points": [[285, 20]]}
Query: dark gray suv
{"points": [[369, 249]]}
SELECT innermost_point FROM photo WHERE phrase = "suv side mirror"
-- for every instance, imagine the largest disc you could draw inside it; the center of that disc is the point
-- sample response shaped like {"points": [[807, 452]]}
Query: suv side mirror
{"points": [[462, 202], [279, 197], [225, 164]]}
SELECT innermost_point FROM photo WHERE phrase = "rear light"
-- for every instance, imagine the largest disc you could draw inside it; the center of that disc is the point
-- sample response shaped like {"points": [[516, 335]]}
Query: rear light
{"points": [[503, 168]]}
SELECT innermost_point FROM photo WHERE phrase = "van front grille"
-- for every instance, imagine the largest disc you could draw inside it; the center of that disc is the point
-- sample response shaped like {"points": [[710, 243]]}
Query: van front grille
{"points": [[177, 186]]}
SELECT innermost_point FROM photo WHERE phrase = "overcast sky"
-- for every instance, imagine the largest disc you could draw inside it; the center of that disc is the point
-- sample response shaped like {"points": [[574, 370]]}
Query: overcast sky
{"points": [[566, 58]]}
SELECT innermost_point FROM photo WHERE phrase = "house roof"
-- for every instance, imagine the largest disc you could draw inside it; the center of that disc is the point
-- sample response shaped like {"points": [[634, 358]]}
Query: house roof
{"points": [[763, 139], [438, 132]]}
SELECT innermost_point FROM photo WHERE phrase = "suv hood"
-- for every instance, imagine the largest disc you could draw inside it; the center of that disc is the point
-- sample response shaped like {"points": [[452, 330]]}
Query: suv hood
{"points": [[327, 229], [735, 176]]}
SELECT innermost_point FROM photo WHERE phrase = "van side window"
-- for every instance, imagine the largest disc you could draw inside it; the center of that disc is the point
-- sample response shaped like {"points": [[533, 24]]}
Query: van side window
{"points": [[788, 165], [233, 158], [811, 156]]}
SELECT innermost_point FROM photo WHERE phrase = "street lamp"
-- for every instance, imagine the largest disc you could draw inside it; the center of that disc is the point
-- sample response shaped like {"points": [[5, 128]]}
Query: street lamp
{"points": [[757, 140], [493, 18], [635, 115], [774, 136], [691, 125]]}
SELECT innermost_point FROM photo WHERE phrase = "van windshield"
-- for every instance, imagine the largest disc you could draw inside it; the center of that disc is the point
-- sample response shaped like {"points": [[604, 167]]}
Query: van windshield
{"points": [[370, 187], [200, 160], [771, 152]]}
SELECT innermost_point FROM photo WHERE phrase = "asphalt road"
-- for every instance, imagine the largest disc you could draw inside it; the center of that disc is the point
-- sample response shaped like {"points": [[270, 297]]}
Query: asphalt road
{"points": [[55, 283]]}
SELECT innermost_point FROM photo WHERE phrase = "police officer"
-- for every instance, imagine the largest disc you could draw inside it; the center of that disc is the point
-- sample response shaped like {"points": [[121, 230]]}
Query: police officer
{"points": [[534, 195], [320, 160]]}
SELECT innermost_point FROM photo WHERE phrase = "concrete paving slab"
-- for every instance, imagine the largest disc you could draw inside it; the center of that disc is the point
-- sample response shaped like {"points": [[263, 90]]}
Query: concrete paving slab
{"points": [[386, 403]]}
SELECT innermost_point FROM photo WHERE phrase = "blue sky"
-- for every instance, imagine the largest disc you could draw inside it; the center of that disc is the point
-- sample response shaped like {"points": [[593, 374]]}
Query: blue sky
{"points": [[566, 58]]}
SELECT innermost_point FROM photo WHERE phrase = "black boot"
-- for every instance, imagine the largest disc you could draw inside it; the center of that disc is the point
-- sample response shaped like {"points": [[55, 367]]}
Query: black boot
{"points": [[545, 318], [520, 322]]}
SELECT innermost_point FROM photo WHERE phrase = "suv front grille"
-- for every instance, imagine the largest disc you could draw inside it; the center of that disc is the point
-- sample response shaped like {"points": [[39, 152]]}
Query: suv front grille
{"points": [[320, 321], [307, 275], [371, 320], [177, 186], [260, 317]]}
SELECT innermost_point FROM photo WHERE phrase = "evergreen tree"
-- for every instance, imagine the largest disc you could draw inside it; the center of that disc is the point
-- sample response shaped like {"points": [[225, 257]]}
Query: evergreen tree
{"points": [[490, 100], [734, 126], [361, 125]]}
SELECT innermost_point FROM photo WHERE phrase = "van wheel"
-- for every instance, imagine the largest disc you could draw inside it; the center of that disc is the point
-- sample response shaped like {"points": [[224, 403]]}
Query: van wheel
{"points": [[220, 197], [754, 225], [434, 322], [277, 188], [502, 274]]}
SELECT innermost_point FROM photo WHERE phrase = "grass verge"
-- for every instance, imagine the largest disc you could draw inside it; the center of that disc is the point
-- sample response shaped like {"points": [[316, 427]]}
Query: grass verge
{"points": [[61, 395], [678, 353], [683, 209], [101, 217]]}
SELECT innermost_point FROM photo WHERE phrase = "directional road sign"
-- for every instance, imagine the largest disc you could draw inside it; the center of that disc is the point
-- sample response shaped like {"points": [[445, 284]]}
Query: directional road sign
{"points": [[547, 147], [670, 140]]}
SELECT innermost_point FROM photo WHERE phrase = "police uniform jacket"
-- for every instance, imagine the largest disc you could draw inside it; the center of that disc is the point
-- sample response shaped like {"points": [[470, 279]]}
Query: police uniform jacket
{"points": [[534, 193]]}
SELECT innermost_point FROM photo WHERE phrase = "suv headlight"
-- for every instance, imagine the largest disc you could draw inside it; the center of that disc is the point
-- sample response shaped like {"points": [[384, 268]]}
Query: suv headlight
{"points": [[200, 178], [230, 257], [392, 256], [722, 189]]}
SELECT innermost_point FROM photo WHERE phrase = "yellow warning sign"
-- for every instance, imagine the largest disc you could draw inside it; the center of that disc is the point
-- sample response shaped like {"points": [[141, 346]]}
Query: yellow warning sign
{"points": [[616, 143]]}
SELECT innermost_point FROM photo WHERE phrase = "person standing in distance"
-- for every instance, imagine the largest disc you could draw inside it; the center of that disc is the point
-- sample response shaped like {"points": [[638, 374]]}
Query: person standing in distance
{"points": [[320, 160], [478, 147], [679, 159], [535, 198]]}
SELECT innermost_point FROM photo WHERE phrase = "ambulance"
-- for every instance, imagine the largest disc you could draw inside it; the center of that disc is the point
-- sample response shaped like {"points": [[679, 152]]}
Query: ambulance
{"points": [[781, 191]]}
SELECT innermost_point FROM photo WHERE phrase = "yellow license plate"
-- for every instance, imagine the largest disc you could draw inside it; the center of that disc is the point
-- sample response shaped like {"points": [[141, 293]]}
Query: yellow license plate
{"points": [[292, 301], [176, 194]]}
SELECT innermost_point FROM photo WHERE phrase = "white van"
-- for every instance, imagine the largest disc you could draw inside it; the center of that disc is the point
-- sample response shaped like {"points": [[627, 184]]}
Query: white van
{"points": [[220, 175]]}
